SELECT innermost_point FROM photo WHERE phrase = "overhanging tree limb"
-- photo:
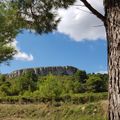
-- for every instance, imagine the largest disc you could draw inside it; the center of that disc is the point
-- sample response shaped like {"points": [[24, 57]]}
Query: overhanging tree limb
{"points": [[93, 10]]}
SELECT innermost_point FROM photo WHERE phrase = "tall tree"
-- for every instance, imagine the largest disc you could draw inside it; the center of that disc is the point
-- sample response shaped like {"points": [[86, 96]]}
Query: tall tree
{"points": [[111, 21], [112, 25], [39, 15]]}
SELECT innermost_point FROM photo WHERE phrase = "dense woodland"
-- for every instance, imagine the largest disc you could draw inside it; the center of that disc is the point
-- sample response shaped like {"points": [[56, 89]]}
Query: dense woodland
{"points": [[53, 86]]}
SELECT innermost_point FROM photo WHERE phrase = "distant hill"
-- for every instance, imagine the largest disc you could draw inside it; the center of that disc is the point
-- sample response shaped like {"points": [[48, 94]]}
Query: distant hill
{"points": [[57, 70]]}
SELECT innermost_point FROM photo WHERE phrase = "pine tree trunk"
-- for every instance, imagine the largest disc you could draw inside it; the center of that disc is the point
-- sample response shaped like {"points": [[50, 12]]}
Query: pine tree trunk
{"points": [[112, 25]]}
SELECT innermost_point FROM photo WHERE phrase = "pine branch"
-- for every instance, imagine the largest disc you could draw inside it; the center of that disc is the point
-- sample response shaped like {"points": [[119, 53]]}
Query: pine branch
{"points": [[93, 10]]}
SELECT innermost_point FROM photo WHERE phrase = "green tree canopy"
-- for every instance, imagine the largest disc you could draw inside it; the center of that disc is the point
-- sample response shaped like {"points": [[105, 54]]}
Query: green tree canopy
{"points": [[95, 83], [38, 15], [9, 28], [51, 87], [81, 76]]}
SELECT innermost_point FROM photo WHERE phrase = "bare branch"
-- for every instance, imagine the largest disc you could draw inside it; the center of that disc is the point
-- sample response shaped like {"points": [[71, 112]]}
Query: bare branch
{"points": [[84, 11], [93, 10]]}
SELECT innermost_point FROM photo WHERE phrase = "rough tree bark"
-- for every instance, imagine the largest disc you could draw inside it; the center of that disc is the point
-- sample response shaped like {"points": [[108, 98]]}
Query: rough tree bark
{"points": [[111, 21], [112, 25]]}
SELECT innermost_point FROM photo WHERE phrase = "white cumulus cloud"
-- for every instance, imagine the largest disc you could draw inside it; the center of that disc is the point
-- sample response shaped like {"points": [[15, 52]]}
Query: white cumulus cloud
{"points": [[81, 25], [21, 55]]}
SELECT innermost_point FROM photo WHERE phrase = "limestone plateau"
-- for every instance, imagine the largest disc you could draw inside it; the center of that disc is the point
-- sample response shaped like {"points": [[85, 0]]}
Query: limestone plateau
{"points": [[57, 70]]}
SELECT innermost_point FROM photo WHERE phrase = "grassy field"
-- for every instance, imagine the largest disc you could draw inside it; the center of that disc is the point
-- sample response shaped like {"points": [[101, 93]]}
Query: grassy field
{"points": [[89, 111]]}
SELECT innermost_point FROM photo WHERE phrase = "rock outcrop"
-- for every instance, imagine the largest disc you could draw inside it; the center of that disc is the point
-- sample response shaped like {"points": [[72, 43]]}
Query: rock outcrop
{"points": [[65, 70]]}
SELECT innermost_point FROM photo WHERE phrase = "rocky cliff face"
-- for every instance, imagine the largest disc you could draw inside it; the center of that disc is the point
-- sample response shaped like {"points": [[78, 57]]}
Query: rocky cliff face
{"points": [[66, 70]]}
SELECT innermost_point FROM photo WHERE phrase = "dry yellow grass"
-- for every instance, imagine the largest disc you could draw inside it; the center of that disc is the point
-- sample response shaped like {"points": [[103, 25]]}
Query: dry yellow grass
{"points": [[90, 111]]}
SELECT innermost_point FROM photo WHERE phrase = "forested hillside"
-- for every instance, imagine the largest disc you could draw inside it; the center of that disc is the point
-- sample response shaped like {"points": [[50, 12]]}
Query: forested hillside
{"points": [[31, 87]]}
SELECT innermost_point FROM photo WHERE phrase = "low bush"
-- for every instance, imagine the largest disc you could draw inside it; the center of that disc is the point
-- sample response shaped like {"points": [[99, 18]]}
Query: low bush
{"points": [[75, 98]]}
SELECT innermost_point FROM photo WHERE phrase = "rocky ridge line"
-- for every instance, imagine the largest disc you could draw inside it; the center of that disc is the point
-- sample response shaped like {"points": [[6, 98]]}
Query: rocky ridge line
{"points": [[57, 70]]}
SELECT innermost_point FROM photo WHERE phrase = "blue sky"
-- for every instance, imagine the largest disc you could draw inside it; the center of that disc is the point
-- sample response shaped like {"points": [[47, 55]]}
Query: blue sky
{"points": [[77, 42], [56, 49]]}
